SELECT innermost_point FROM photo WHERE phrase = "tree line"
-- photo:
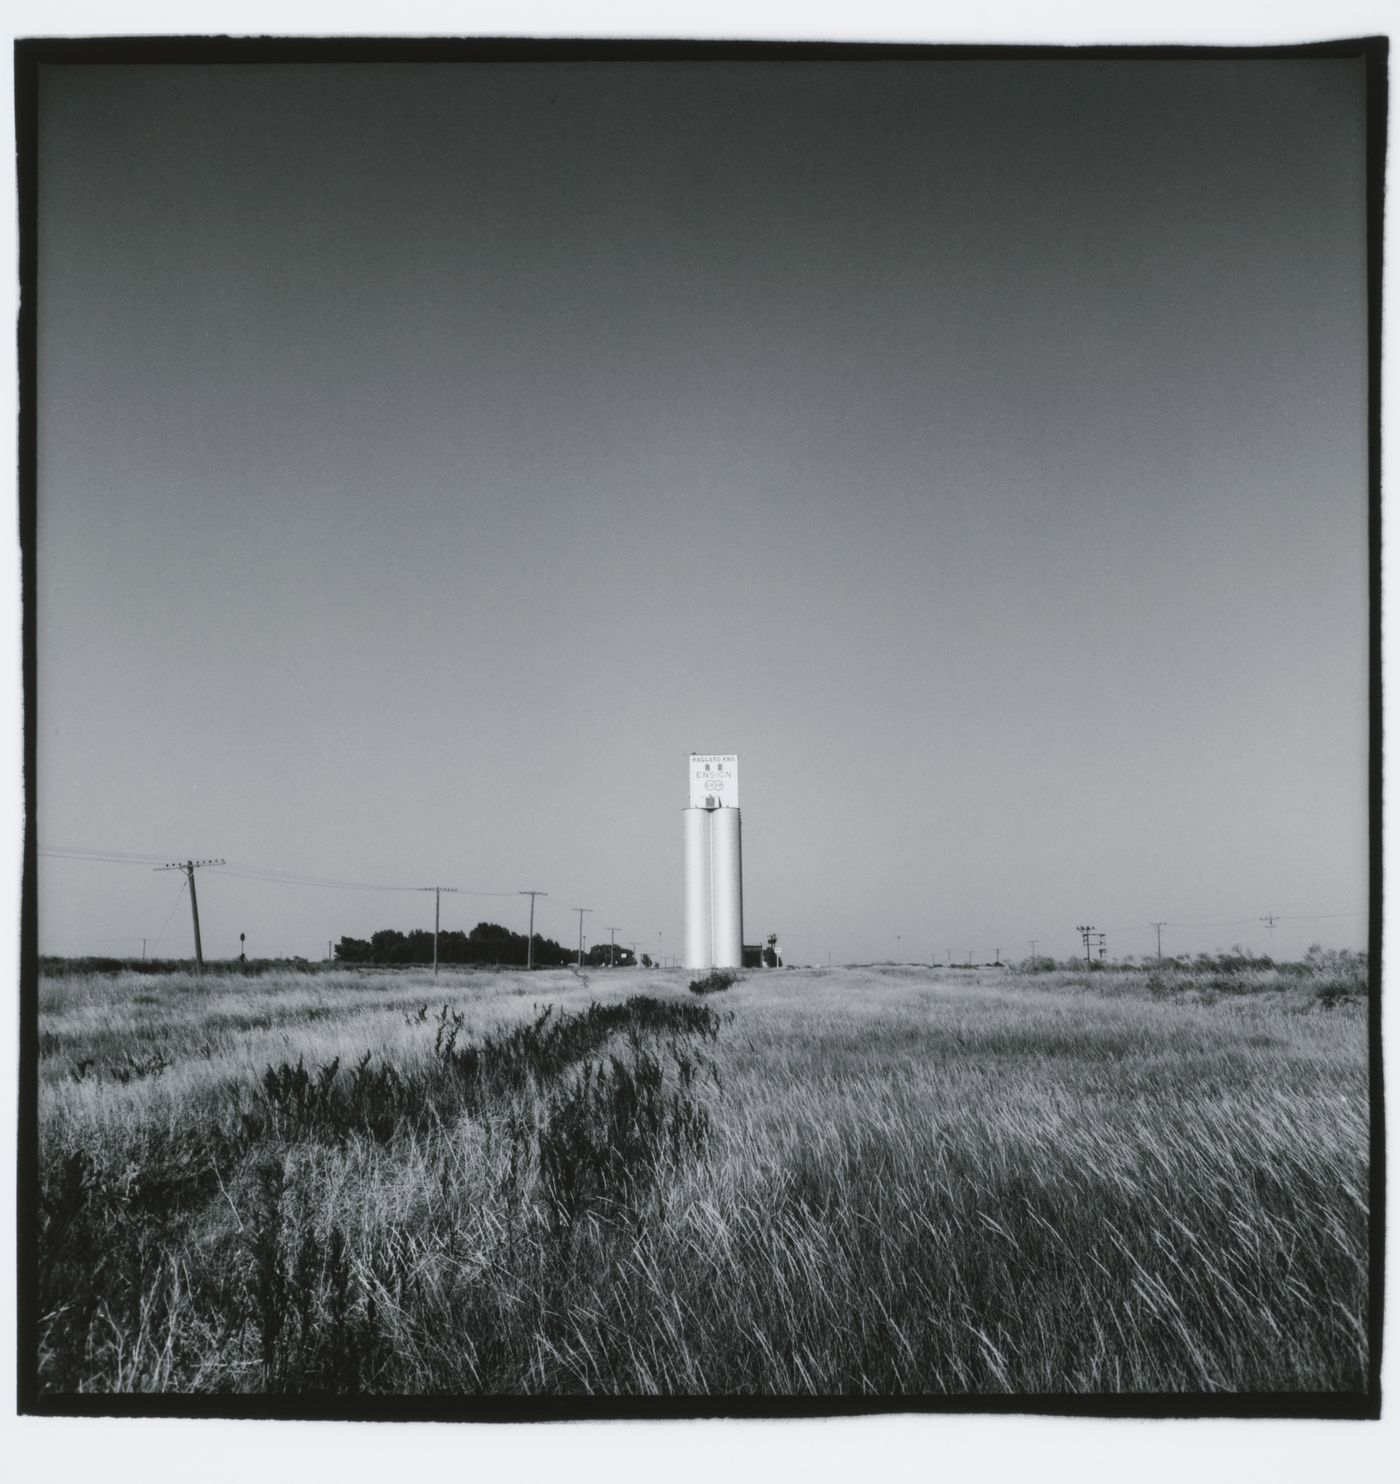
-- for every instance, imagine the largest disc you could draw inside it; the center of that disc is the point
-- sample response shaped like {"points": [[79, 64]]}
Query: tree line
{"points": [[486, 943]]}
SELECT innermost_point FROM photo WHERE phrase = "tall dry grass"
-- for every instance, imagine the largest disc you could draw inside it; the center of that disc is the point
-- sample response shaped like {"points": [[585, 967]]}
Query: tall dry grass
{"points": [[817, 1182]]}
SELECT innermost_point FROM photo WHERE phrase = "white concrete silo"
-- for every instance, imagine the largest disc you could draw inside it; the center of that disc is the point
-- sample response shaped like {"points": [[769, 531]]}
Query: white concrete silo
{"points": [[697, 888], [726, 891]]}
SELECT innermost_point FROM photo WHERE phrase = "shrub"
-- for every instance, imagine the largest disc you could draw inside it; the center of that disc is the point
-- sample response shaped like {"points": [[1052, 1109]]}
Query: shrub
{"points": [[297, 1104], [545, 1047], [1341, 989], [329, 1105], [602, 1139], [714, 981]]}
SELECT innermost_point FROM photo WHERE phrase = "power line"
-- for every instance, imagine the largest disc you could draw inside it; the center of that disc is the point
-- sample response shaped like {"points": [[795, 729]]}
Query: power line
{"points": [[118, 938], [250, 873], [270, 874], [287, 878], [278, 877], [275, 878], [110, 857], [1316, 916], [1270, 917]]}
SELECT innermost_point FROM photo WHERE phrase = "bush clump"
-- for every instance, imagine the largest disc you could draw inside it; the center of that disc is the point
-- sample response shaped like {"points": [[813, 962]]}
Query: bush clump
{"points": [[714, 981]]}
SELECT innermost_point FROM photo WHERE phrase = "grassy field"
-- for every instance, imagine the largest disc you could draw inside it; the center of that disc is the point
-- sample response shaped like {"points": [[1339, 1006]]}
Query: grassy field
{"points": [[885, 1180]]}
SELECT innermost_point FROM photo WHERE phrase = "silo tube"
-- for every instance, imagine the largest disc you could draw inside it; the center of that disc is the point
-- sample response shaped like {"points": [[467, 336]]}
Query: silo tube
{"points": [[697, 888], [726, 873]]}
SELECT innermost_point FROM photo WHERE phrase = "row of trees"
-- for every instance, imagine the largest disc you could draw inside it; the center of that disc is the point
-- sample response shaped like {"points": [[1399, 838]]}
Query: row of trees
{"points": [[487, 943]]}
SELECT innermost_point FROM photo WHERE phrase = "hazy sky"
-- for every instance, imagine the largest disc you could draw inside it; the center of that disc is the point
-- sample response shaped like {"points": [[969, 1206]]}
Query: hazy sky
{"points": [[430, 457]]}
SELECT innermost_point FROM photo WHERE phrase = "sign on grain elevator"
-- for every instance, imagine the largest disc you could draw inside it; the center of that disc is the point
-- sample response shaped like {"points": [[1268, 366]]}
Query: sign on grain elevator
{"points": [[714, 780]]}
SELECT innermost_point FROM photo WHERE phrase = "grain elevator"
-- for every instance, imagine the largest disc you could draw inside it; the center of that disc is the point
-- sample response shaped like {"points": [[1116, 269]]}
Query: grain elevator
{"points": [[714, 878]]}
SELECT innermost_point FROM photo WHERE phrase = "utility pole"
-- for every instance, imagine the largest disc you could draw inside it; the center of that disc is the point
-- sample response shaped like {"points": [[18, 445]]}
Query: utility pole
{"points": [[1084, 930], [143, 950], [612, 948], [580, 911], [635, 959], [189, 868], [996, 955], [530, 942], [1159, 926], [437, 914], [1271, 918], [1034, 955]]}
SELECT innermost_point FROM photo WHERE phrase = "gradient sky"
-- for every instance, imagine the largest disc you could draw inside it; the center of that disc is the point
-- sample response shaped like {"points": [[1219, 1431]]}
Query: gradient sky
{"points": [[430, 457]]}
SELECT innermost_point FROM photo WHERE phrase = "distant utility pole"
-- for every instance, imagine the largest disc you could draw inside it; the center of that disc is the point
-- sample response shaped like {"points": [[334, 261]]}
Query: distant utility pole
{"points": [[1085, 930], [612, 948], [143, 950], [189, 868], [1271, 918], [437, 914], [1159, 926], [996, 955], [1034, 955], [580, 911], [530, 941]]}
